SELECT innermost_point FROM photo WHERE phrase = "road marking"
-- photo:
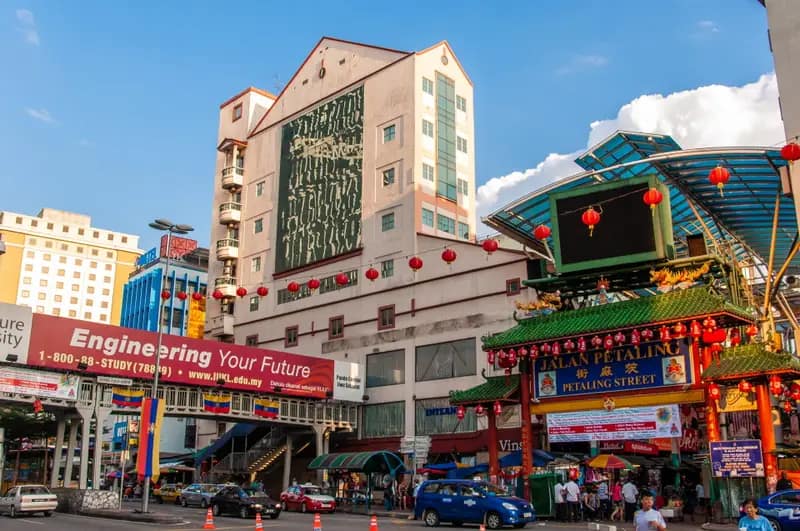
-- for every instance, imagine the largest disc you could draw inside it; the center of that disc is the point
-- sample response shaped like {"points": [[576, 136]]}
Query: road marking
{"points": [[30, 521]]}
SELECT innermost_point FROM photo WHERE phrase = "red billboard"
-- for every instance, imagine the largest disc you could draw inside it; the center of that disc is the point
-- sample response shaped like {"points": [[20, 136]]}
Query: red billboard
{"points": [[177, 246], [59, 343]]}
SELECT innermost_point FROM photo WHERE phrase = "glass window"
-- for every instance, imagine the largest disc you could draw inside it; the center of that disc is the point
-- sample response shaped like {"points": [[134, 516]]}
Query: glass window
{"points": [[461, 103], [427, 86], [254, 303], [251, 341], [260, 188], [387, 221], [26, 293], [62, 259], [461, 144], [29, 267], [81, 232], [18, 220], [336, 327], [108, 267], [427, 217], [427, 172], [386, 317], [384, 420], [43, 283], [446, 138], [436, 415], [446, 224], [388, 177], [73, 300], [64, 228], [290, 336], [463, 187], [446, 360], [49, 226], [26, 280], [124, 239], [237, 112], [389, 133], [258, 225], [387, 268], [34, 223], [255, 264], [386, 368], [427, 128], [73, 313], [47, 257], [463, 230], [42, 296]]}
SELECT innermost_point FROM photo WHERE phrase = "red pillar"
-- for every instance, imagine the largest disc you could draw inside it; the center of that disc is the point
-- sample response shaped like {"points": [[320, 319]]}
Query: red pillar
{"points": [[712, 412], [525, 416], [494, 462], [764, 406]]}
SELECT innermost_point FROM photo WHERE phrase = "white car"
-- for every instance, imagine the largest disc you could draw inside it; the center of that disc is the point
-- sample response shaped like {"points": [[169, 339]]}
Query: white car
{"points": [[28, 499]]}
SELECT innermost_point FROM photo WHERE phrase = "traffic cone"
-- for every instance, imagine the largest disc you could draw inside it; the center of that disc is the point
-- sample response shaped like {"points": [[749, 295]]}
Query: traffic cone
{"points": [[259, 525], [483, 527], [209, 520], [373, 523], [317, 522]]}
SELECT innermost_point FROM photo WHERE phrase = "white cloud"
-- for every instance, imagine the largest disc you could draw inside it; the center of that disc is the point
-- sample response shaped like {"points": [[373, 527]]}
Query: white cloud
{"points": [[580, 63], [43, 115], [708, 26], [27, 26], [714, 115]]}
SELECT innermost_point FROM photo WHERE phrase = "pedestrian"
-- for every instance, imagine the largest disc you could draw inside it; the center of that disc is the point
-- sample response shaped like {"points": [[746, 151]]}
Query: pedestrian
{"points": [[558, 499], [784, 483], [590, 504], [629, 494], [752, 521], [648, 519], [605, 500], [616, 499], [573, 492]]}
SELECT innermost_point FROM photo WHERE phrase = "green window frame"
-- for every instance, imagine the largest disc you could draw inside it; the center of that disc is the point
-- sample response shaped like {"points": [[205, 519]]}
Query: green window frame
{"points": [[445, 138], [445, 224], [463, 230], [427, 172], [427, 217], [427, 86], [387, 222], [387, 268], [388, 177], [254, 303], [389, 133]]}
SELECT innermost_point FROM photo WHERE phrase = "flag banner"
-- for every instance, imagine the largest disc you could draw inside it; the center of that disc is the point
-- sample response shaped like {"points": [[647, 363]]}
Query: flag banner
{"points": [[147, 463], [217, 403], [127, 397], [269, 409]]}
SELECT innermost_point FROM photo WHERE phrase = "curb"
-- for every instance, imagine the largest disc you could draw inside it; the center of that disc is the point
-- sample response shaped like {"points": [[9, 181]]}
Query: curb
{"points": [[134, 517]]}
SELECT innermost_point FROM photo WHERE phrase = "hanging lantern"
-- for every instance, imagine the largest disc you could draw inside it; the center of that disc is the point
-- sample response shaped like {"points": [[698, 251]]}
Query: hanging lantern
{"points": [[165, 294], [597, 342], [262, 291], [522, 352], [569, 345], [619, 338], [197, 296], [751, 331], [736, 337], [502, 358], [534, 351], [490, 246], [790, 152], [313, 284], [709, 323], [546, 348], [775, 386], [217, 294], [541, 232], [371, 274], [293, 287], [647, 335], [449, 256], [652, 198], [787, 407], [479, 410], [498, 408], [794, 391], [490, 357], [590, 218], [719, 176], [241, 291], [342, 279], [460, 412], [664, 334], [745, 387], [635, 338], [695, 330], [415, 263], [581, 344], [182, 295], [714, 391], [512, 358], [608, 342], [37, 406], [679, 330], [556, 349]]}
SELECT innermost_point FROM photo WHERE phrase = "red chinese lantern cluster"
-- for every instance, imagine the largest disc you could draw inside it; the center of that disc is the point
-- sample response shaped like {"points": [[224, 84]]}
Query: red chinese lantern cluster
{"points": [[745, 387], [479, 410], [790, 152], [590, 218], [719, 176], [788, 407], [498, 408], [751, 332], [507, 360], [460, 412], [794, 391], [653, 198], [714, 392], [37, 406], [775, 386]]}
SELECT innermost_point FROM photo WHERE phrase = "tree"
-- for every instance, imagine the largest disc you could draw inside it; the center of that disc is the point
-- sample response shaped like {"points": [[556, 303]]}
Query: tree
{"points": [[21, 421]]}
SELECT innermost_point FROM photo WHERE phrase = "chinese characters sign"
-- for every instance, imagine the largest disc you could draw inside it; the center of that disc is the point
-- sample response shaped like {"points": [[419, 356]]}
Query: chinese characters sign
{"points": [[619, 424], [737, 459], [619, 369]]}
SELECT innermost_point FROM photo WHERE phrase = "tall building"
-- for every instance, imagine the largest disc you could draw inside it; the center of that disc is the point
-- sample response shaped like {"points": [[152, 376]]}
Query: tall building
{"points": [[323, 194], [57, 263]]}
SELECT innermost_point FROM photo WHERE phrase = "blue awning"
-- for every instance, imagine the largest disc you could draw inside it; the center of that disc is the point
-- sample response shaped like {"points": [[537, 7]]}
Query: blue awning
{"points": [[239, 430], [540, 458]]}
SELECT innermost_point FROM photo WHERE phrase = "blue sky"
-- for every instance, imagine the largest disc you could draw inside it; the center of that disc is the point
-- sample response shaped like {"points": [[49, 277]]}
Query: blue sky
{"points": [[110, 108]]}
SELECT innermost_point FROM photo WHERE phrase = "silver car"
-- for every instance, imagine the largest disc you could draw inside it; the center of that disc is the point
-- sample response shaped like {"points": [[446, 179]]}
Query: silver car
{"points": [[199, 494], [28, 499]]}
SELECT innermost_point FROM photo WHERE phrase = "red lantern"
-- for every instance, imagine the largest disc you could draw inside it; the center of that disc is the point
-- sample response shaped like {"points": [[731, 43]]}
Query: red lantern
{"points": [[490, 246], [342, 279], [502, 358], [546, 348], [415, 263], [498, 408], [635, 338], [695, 330], [719, 176], [460, 412], [664, 334], [37, 406], [709, 323], [293, 287], [787, 407], [165, 294], [182, 295], [714, 391], [541, 232], [751, 331], [794, 391], [512, 358], [371, 274], [262, 291], [790, 152], [534, 351], [597, 342], [490, 357], [241, 292], [479, 410], [569, 345], [608, 342], [736, 337], [449, 256], [197, 296], [590, 218], [522, 352], [217, 294], [745, 387], [775, 385], [652, 198], [680, 330], [581, 344], [556, 348], [313, 284], [619, 338]]}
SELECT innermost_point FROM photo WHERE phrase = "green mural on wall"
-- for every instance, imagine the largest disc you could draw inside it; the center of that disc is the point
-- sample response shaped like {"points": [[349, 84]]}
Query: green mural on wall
{"points": [[319, 203]]}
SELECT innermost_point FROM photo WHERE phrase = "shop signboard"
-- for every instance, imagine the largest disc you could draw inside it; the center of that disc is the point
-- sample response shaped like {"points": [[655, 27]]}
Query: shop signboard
{"points": [[734, 400], [622, 368], [630, 447], [737, 459], [15, 332], [39, 383], [618, 424]]}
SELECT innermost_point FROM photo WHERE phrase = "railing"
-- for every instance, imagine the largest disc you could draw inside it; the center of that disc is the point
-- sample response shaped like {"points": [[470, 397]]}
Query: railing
{"points": [[224, 207], [232, 170], [227, 242], [224, 281]]}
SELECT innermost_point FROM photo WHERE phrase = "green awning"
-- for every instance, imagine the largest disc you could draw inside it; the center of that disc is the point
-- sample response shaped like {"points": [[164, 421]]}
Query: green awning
{"points": [[751, 360], [380, 461], [494, 388], [667, 308]]}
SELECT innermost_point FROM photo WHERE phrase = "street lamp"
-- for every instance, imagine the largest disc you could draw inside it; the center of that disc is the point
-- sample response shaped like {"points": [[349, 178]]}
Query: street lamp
{"points": [[171, 228]]}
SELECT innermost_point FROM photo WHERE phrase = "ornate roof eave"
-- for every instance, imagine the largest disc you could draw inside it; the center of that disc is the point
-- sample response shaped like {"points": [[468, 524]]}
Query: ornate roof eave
{"points": [[751, 361], [494, 388]]}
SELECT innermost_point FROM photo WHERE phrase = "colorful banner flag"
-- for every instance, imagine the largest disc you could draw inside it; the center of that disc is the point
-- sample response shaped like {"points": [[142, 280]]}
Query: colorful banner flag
{"points": [[217, 403], [147, 463], [127, 397], [197, 318], [269, 409]]}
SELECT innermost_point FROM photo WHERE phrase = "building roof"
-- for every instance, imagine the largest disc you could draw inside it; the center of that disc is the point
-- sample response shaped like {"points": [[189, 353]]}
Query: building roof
{"points": [[245, 91], [666, 308], [494, 388], [751, 360]]}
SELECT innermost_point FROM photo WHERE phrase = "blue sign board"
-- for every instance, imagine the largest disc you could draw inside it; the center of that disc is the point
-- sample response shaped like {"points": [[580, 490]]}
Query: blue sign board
{"points": [[147, 257], [737, 459], [622, 368], [435, 411], [120, 432]]}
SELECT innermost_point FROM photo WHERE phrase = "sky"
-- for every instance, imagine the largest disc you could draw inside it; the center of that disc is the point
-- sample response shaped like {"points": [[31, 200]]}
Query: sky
{"points": [[111, 108]]}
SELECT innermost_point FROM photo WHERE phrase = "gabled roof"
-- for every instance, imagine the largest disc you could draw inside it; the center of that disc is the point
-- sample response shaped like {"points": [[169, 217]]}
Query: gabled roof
{"points": [[449, 49], [750, 360], [245, 91], [680, 305], [227, 142], [494, 388]]}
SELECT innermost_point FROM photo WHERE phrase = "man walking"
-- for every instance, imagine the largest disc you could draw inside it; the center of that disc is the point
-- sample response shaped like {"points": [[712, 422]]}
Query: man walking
{"points": [[648, 519], [605, 500], [573, 500], [558, 498], [629, 494]]}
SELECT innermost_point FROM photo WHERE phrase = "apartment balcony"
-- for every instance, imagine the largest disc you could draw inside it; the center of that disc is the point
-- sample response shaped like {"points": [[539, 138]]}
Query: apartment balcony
{"points": [[232, 177], [221, 325], [230, 213], [227, 249], [227, 285]]}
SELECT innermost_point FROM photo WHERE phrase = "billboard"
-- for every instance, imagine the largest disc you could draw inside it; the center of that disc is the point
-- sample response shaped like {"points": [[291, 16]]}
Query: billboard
{"points": [[177, 246], [39, 383], [737, 459], [197, 318], [319, 202], [619, 424], [15, 332], [59, 343]]}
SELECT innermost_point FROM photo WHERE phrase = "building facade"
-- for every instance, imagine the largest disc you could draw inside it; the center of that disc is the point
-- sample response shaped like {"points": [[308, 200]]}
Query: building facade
{"points": [[58, 264], [324, 194]]}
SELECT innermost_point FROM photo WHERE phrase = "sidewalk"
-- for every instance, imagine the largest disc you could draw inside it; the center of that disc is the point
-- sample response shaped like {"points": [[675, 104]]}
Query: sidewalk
{"points": [[134, 516]]}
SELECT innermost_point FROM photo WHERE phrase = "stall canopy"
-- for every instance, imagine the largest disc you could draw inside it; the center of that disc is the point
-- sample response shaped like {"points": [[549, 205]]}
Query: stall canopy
{"points": [[368, 462], [540, 458]]}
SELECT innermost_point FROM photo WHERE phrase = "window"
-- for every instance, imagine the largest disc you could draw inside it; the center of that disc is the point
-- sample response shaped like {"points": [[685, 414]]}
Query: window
{"points": [[89, 302], [108, 267], [463, 230], [110, 237], [30, 254], [49, 226], [95, 252], [446, 137], [259, 188], [57, 298], [81, 232], [42, 296], [254, 303], [62, 259], [93, 265], [463, 187], [461, 144], [427, 128], [107, 280], [76, 287], [25, 293], [336, 327], [388, 177], [446, 360], [384, 420], [56, 311], [255, 264], [258, 225], [445, 224], [34, 223], [73, 300], [512, 286], [387, 221], [427, 217], [251, 341], [386, 317], [47, 257], [45, 270], [427, 172], [48, 244], [435, 415], [387, 268], [103, 317], [389, 133], [59, 285], [78, 262], [386, 368], [104, 304], [29, 267], [77, 274], [18, 220], [43, 283], [237, 111], [461, 103], [64, 228], [290, 336], [427, 86], [73, 313], [124, 239], [90, 290], [26, 280], [106, 292], [87, 315]]}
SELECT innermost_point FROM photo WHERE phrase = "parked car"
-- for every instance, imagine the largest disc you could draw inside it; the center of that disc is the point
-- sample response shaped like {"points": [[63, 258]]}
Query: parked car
{"points": [[465, 501], [307, 497], [199, 494], [244, 502], [782, 509], [28, 499], [168, 493]]}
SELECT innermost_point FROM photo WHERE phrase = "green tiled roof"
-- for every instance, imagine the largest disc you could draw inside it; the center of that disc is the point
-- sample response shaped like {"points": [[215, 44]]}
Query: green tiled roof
{"points": [[749, 360], [668, 307], [494, 388]]}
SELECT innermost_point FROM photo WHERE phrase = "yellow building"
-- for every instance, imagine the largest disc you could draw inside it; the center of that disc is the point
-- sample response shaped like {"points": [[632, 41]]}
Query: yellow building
{"points": [[58, 264]]}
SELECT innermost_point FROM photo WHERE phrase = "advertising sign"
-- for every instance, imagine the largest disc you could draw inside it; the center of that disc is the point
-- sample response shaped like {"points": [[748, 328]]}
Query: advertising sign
{"points": [[197, 318], [623, 423], [60, 343], [737, 459], [15, 332], [39, 383], [734, 400], [632, 447], [177, 246], [599, 371], [147, 257]]}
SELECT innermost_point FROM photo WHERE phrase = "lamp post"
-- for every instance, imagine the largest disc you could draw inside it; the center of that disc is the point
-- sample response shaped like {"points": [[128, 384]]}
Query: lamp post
{"points": [[170, 228]]}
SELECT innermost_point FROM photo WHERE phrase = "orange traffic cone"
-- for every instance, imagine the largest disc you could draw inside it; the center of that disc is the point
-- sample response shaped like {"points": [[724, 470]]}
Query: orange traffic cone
{"points": [[209, 520], [373, 523], [259, 525], [317, 522], [483, 527]]}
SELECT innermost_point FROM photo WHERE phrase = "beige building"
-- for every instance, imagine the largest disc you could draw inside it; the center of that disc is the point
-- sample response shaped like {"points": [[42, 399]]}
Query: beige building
{"points": [[58, 264], [365, 159]]}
